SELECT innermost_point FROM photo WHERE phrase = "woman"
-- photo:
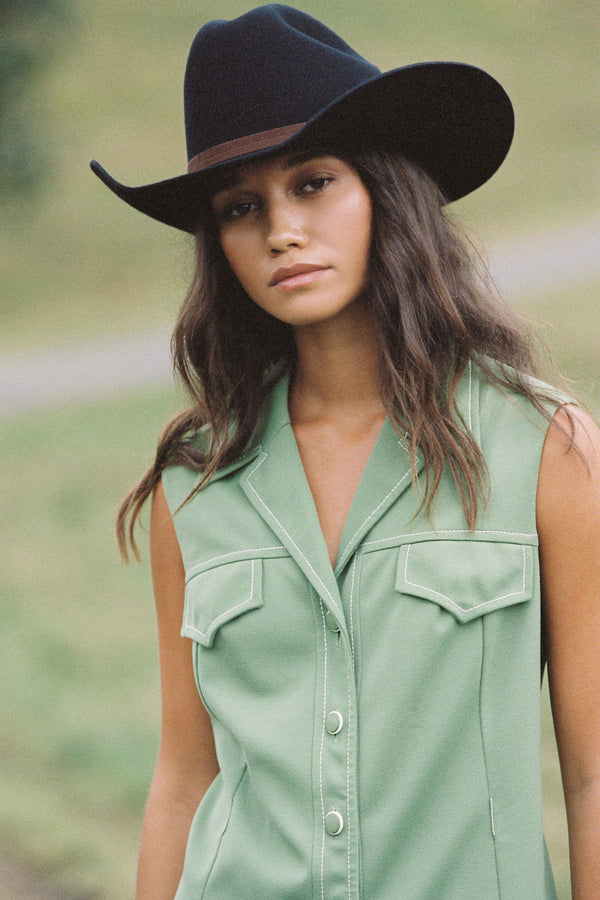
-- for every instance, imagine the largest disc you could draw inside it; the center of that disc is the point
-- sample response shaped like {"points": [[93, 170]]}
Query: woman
{"points": [[369, 508]]}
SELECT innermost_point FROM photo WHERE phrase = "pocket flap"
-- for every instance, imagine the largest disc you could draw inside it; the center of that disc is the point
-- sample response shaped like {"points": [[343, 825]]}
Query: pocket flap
{"points": [[468, 578], [218, 595]]}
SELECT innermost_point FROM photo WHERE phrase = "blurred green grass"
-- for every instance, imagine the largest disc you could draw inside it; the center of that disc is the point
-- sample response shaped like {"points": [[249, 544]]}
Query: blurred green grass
{"points": [[78, 679], [78, 686]]}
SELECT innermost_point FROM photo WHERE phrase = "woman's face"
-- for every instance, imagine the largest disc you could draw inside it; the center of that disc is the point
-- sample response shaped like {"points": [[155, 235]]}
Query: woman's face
{"points": [[296, 231]]}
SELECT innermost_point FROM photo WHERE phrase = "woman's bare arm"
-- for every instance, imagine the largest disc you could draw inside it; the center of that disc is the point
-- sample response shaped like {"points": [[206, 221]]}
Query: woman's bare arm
{"points": [[568, 507], [187, 761]]}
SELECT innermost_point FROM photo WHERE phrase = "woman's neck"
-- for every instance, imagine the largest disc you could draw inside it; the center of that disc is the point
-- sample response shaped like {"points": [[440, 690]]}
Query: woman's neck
{"points": [[337, 369]]}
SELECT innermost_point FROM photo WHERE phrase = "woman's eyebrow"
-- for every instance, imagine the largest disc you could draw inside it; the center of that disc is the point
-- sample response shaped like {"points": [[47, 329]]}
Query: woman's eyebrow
{"points": [[302, 156], [229, 180]]}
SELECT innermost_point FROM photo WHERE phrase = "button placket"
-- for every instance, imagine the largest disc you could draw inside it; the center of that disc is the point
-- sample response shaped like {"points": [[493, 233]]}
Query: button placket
{"points": [[337, 846]]}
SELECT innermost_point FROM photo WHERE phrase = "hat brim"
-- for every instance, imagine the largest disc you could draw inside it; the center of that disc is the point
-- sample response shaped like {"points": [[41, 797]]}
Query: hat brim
{"points": [[454, 120]]}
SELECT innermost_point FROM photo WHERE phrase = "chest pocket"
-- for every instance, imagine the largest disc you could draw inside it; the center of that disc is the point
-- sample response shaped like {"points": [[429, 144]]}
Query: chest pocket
{"points": [[216, 596], [467, 578]]}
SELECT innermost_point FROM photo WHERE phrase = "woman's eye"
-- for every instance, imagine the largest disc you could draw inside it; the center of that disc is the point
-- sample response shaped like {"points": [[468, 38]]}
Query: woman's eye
{"points": [[315, 184], [239, 210]]}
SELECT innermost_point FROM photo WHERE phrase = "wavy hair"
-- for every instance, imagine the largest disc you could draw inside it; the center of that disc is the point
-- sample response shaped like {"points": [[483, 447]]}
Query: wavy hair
{"points": [[433, 309]]}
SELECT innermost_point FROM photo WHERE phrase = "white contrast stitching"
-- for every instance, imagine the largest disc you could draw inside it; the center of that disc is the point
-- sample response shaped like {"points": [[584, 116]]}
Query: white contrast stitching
{"points": [[457, 605], [222, 615], [292, 541], [403, 444], [375, 511], [473, 535], [352, 610], [321, 751], [204, 566], [492, 817], [348, 771]]}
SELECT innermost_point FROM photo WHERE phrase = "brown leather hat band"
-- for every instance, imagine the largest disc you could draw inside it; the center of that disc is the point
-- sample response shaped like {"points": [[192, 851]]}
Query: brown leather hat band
{"points": [[262, 140]]}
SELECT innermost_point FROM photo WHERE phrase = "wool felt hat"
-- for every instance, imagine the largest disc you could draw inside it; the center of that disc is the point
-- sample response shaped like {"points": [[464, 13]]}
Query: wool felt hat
{"points": [[276, 78]]}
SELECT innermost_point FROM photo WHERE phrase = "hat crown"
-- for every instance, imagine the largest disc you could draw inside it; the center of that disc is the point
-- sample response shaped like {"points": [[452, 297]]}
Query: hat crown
{"points": [[271, 67], [276, 78]]}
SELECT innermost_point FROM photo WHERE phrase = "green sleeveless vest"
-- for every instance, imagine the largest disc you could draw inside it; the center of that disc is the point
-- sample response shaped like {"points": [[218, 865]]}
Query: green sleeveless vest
{"points": [[377, 725]]}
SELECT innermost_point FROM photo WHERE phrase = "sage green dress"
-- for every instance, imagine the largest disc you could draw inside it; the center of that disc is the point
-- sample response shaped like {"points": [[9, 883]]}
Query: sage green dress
{"points": [[377, 725]]}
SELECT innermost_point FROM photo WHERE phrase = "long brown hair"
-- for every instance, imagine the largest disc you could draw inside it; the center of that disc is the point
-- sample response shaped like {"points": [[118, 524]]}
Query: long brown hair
{"points": [[433, 310]]}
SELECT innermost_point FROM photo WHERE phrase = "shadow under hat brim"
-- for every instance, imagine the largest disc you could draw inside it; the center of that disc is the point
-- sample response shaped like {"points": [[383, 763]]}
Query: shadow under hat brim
{"points": [[454, 120]]}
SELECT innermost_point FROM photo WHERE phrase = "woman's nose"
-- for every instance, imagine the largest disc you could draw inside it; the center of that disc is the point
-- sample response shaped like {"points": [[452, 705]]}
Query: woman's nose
{"points": [[285, 228]]}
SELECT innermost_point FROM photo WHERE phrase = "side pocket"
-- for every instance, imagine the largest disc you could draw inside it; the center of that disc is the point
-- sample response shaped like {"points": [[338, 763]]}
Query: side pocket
{"points": [[225, 827], [206, 836]]}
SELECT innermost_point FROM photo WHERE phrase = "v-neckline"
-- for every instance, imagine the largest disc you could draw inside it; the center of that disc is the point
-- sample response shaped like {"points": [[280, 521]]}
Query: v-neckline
{"points": [[332, 479], [276, 485]]}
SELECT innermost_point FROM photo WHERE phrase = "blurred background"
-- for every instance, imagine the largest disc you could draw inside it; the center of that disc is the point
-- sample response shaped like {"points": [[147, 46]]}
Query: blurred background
{"points": [[89, 291]]}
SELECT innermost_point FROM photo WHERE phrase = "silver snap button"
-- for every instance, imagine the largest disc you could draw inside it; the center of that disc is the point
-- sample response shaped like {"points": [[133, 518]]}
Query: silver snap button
{"points": [[334, 823], [334, 722]]}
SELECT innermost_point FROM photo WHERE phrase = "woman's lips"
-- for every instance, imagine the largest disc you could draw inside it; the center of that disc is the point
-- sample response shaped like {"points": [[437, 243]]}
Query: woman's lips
{"points": [[295, 276]]}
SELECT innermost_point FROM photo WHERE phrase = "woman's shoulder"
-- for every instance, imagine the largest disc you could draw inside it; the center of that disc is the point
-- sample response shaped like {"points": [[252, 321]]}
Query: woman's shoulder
{"points": [[510, 415], [500, 385], [572, 448]]}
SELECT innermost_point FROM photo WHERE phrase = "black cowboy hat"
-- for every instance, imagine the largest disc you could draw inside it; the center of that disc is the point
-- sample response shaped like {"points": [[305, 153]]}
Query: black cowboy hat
{"points": [[275, 78]]}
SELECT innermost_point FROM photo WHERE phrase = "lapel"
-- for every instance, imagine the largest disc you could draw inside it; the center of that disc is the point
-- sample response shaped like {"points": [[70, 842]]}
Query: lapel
{"points": [[386, 476], [276, 486]]}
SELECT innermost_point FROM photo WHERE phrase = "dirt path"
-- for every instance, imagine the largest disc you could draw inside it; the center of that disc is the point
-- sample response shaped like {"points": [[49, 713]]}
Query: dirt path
{"points": [[528, 265]]}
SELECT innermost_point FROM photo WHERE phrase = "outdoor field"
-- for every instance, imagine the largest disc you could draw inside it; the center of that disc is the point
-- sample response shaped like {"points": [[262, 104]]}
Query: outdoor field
{"points": [[79, 700]]}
